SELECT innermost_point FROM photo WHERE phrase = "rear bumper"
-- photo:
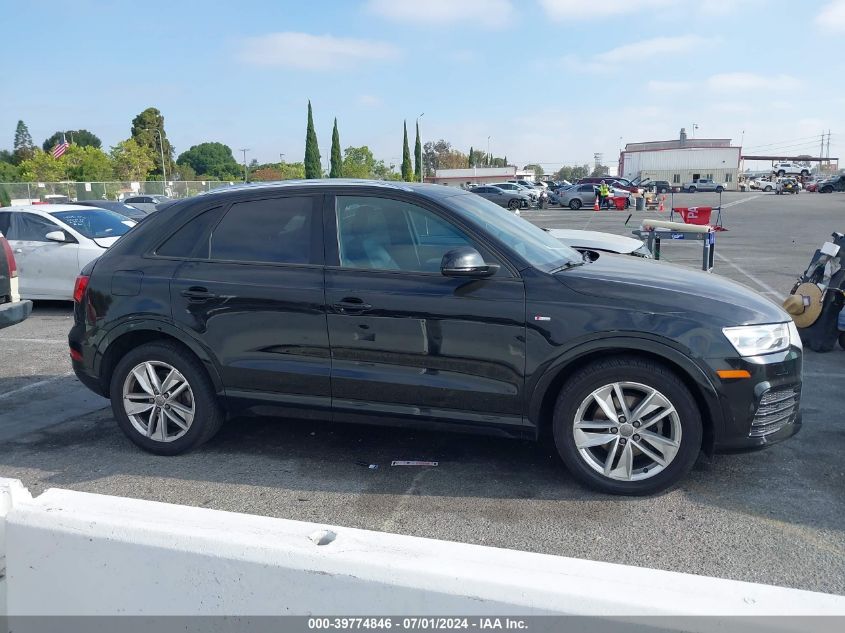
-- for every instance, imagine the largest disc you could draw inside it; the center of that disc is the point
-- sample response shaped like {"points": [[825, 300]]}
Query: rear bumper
{"points": [[12, 313]]}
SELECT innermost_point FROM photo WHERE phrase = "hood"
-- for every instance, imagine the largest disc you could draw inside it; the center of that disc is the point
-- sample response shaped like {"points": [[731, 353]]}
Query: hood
{"points": [[105, 242], [658, 287], [596, 240]]}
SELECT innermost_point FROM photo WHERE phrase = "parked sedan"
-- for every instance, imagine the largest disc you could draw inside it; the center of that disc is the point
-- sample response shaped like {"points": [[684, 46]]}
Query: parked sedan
{"points": [[423, 305], [146, 203], [513, 200], [584, 195], [52, 243], [121, 208], [531, 192]]}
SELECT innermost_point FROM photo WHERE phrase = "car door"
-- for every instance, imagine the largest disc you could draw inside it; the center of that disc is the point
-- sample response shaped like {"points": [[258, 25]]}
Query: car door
{"points": [[254, 296], [587, 194], [408, 343], [46, 269]]}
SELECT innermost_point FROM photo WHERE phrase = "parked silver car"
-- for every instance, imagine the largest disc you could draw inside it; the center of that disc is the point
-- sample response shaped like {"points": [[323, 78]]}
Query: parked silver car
{"points": [[512, 186], [513, 199], [146, 203], [585, 195]]}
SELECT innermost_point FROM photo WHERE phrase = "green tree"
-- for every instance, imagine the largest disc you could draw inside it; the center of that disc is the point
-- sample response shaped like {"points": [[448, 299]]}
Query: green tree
{"points": [[23, 148], [211, 159], [382, 171], [131, 160], [6, 156], [9, 173], [313, 168], [5, 200], [83, 138], [600, 170], [292, 171], [407, 169], [85, 164], [358, 162], [537, 169], [148, 131], [337, 161], [470, 162], [418, 173], [42, 167]]}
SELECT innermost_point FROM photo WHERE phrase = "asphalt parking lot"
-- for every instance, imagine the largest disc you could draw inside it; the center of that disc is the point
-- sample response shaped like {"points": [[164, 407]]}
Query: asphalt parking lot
{"points": [[774, 516]]}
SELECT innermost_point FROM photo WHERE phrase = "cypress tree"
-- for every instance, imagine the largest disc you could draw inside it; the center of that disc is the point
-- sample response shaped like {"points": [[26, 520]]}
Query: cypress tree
{"points": [[470, 161], [312, 151], [418, 155], [337, 162], [407, 169]]}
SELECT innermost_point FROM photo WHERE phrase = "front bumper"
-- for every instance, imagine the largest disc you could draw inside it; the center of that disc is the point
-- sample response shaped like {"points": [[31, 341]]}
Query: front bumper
{"points": [[15, 312], [763, 409]]}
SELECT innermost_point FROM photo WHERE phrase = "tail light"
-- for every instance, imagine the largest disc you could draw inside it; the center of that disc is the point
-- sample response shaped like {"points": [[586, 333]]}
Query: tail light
{"points": [[80, 287], [10, 257]]}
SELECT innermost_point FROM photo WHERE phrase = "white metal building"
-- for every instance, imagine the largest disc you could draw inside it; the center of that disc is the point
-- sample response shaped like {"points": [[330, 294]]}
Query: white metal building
{"points": [[682, 160]]}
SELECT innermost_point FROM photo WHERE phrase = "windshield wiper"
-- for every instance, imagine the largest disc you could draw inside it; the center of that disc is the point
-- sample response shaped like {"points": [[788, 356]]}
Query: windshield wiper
{"points": [[567, 266]]}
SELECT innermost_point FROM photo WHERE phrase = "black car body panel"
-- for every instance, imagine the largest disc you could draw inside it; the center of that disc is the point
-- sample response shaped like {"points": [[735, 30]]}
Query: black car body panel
{"points": [[322, 340]]}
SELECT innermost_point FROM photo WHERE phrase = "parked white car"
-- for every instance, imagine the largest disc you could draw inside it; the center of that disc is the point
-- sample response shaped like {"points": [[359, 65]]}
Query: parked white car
{"points": [[789, 169], [604, 242], [53, 242]]}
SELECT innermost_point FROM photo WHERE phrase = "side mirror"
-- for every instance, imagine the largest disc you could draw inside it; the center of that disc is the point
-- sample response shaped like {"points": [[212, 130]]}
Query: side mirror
{"points": [[57, 236], [465, 261]]}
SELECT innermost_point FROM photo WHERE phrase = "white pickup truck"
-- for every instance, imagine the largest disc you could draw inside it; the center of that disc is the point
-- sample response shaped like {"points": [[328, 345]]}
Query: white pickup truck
{"points": [[702, 184]]}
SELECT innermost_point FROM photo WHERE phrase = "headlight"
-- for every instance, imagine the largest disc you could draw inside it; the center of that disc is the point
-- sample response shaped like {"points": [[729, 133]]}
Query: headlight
{"points": [[753, 340], [794, 337]]}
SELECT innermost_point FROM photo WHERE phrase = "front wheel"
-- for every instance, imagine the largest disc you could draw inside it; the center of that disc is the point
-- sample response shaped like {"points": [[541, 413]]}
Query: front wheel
{"points": [[163, 399], [691, 190], [627, 426], [575, 204], [768, 189], [513, 205], [663, 190], [719, 189], [781, 173]]}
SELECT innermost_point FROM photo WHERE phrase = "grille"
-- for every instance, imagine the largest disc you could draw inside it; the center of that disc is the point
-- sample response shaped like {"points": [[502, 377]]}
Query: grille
{"points": [[778, 407]]}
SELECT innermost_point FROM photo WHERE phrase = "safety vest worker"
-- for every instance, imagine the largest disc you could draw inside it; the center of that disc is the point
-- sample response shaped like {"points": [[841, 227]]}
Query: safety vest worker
{"points": [[604, 190]]}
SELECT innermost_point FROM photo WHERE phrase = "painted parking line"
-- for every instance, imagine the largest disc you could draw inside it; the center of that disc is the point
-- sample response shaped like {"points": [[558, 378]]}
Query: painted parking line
{"points": [[33, 385], [766, 288]]}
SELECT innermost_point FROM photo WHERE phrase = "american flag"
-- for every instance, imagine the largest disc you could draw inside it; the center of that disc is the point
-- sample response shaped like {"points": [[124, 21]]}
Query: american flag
{"points": [[61, 148]]}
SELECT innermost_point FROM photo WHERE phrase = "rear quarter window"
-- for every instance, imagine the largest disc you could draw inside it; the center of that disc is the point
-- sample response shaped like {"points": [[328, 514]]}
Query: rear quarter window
{"points": [[192, 239]]}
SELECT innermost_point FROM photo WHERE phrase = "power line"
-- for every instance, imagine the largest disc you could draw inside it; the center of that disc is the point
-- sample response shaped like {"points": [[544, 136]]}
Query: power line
{"points": [[804, 138]]}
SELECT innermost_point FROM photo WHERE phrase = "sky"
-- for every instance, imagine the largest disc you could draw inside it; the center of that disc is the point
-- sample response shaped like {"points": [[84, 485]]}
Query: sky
{"points": [[546, 81]]}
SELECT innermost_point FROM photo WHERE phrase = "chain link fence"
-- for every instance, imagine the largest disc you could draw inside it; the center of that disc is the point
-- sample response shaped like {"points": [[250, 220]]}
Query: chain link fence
{"points": [[30, 192]]}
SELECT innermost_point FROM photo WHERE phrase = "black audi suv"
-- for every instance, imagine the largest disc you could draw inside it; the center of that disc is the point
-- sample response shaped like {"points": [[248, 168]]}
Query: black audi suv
{"points": [[412, 304]]}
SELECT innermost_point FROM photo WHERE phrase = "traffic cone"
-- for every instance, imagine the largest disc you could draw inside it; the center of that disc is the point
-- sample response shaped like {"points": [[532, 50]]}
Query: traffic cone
{"points": [[660, 208], [596, 204]]}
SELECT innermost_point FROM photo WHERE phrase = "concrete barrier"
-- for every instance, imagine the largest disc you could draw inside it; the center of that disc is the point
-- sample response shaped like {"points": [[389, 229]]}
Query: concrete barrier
{"points": [[98, 555]]}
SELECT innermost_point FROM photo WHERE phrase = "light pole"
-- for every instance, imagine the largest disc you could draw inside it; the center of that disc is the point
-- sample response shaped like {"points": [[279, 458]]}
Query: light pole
{"points": [[489, 156], [422, 165], [244, 150], [694, 128], [161, 148]]}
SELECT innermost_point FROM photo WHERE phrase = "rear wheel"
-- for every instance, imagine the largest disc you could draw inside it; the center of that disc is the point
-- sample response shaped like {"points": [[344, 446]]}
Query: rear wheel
{"points": [[719, 189], [691, 190], [663, 190], [163, 399], [768, 188], [513, 205], [575, 204], [781, 173], [804, 172], [627, 426]]}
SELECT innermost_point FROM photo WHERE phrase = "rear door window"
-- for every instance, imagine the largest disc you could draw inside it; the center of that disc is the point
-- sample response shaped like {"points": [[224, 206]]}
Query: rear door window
{"points": [[273, 231]]}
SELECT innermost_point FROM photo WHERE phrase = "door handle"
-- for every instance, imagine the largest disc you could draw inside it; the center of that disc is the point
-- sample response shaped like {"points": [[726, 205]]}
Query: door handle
{"points": [[351, 305], [198, 294]]}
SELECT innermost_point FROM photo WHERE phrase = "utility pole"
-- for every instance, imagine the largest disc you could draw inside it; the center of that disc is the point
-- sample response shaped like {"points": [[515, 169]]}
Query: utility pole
{"points": [[828, 146], [489, 158], [244, 150]]}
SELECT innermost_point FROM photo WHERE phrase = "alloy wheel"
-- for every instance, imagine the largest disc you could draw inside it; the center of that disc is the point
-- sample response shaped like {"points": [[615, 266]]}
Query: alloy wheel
{"points": [[627, 431], [158, 401]]}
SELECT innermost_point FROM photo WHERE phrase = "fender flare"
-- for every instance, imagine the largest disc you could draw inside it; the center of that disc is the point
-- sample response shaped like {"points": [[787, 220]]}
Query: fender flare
{"points": [[652, 346], [168, 328]]}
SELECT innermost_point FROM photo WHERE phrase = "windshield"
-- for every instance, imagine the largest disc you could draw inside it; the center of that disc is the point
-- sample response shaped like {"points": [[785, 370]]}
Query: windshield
{"points": [[95, 223], [532, 243]]}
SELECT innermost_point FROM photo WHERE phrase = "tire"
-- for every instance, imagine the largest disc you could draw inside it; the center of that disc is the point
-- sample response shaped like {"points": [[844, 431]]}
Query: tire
{"points": [[691, 190], [719, 189], [663, 190], [768, 188], [781, 173], [682, 428], [513, 204], [826, 190], [199, 397], [842, 340], [805, 173], [575, 204], [627, 203]]}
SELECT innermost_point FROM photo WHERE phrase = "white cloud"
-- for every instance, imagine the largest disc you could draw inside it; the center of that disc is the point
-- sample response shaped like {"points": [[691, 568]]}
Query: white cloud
{"points": [[732, 107], [648, 49], [637, 52], [737, 82], [667, 87], [832, 16], [304, 51], [487, 13], [592, 9], [370, 101]]}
